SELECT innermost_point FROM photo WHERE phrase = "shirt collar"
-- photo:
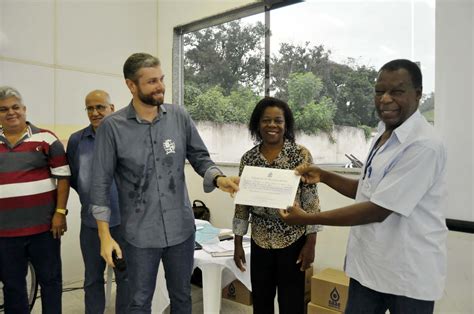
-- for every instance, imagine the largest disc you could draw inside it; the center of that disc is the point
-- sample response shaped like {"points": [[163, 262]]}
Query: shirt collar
{"points": [[132, 114], [28, 131], [89, 131], [404, 130]]}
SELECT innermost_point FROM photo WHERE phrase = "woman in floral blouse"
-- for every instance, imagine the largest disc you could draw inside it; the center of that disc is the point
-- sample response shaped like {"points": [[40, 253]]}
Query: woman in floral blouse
{"points": [[280, 253]]}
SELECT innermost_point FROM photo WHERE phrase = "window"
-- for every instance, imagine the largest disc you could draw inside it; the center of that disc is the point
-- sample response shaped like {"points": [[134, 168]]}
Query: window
{"points": [[322, 58]]}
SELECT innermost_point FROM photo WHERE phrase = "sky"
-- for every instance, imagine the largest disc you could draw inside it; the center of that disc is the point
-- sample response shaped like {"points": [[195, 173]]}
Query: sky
{"points": [[372, 32]]}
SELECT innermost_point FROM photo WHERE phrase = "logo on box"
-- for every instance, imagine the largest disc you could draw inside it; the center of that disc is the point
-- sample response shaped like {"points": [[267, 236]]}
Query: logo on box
{"points": [[231, 292], [334, 299]]}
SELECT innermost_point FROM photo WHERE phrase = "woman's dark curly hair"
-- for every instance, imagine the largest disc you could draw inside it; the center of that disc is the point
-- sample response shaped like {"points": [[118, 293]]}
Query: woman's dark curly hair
{"points": [[254, 124]]}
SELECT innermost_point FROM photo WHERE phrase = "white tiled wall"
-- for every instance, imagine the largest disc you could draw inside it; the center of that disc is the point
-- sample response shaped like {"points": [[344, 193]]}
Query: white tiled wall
{"points": [[73, 86], [28, 30], [55, 52], [100, 35], [36, 84]]}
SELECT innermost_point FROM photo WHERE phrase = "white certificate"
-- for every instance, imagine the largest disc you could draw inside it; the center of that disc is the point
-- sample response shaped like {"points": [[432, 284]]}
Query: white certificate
{"points": [[267, 187]]}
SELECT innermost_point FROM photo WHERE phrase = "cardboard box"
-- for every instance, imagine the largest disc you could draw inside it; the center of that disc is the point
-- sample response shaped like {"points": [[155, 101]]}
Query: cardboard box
{"points": [[316, 309], [329, 289], [237, 292]]}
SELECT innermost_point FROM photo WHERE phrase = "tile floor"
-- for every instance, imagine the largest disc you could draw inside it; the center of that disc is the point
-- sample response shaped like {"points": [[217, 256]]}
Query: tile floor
{"points": [[73, 302]]}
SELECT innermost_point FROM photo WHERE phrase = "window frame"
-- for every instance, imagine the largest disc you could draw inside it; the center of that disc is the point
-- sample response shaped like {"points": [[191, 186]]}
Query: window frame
{"points": [[179, 31]]}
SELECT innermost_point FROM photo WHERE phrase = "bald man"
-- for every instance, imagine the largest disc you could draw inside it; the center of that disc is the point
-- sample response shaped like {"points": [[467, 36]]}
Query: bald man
{"points": [[80, 149]]}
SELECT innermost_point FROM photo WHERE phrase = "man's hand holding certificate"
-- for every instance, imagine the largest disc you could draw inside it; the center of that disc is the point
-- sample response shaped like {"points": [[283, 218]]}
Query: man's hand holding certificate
{"points": [[267, 187]]}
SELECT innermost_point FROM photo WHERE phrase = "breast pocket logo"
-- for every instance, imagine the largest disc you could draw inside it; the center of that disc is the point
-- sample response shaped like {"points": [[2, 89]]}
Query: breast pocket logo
{"points": [[169, 146]]}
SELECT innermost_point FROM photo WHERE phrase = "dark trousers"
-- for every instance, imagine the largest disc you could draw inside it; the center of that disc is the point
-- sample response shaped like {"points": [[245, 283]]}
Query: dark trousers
{"points": [[272, 269], [44, 253], [363, 300], [94, 292], [142, 266]]}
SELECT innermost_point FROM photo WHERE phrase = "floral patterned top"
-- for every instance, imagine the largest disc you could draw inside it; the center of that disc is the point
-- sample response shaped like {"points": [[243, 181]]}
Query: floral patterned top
{"points": [[268, 230]]}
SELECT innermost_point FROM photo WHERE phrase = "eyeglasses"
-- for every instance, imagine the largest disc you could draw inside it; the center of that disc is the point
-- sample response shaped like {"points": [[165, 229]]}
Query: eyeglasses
{"points": [[99, 108]]}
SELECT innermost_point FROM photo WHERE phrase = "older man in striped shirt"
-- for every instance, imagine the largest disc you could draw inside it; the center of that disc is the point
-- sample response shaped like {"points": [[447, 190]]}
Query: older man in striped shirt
{"points": [[34, 188]]}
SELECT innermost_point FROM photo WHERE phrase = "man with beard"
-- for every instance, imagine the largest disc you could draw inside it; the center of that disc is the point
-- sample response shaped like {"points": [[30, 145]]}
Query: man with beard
{"points": [[144, 147]]}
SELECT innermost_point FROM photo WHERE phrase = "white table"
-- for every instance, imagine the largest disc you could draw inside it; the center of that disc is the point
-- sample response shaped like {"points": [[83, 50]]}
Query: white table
{"points": [[218, 272]]}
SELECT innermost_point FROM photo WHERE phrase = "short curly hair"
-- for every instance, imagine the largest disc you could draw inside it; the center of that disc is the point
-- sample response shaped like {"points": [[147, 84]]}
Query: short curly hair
{"points": [[254, 124]]}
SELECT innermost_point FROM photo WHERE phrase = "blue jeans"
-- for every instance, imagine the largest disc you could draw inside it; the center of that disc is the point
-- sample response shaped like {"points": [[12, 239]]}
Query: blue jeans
{"points": [[142, 265], [363, 300], [94, 294], [44, 252]]}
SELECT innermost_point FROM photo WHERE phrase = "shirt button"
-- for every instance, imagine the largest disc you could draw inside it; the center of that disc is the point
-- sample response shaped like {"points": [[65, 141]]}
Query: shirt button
{"points": [[159, 177], [157, 159], [154, 142], [137, 210]]}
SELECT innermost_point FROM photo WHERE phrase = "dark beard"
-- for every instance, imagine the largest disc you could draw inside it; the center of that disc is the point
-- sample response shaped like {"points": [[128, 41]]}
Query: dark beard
{"points": [[149, 100]]}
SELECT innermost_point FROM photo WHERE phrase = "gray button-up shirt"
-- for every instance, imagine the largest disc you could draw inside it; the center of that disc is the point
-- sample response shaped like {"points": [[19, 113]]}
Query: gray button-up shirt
{"points": [[147, 161]]}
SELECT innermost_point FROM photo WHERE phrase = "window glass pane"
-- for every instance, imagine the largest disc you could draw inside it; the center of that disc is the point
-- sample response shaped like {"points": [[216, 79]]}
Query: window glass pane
{"points": [[223, 80], [325, 57], [324, 60]]}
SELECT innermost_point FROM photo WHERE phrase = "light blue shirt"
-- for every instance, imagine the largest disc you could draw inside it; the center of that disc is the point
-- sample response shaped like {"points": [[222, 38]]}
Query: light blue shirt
{"points": [[405, 254]]}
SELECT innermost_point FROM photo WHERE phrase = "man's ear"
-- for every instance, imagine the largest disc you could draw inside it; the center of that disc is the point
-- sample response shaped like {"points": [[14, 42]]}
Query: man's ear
{"points": [[419, 93], [112, 107], [131, 85]]}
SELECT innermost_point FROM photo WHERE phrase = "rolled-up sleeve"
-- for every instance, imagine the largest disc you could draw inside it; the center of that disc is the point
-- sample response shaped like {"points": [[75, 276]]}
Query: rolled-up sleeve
{"points": [[209, 176], [103, 168]]}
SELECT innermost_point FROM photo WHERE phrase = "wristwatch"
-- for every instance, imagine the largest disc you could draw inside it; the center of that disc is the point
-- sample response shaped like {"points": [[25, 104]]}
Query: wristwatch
{"points": [[217, 177], [62, 211]]}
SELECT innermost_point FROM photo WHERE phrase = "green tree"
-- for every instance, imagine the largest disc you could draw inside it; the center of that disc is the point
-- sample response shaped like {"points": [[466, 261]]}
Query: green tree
{"points": [[299, 59], [427, 102], [225, 64], [241, 103], [354, 101], [316, 117], [310, 117], [209, 106], [213, 105], [229, 55], [303, 88], [348, 85]]}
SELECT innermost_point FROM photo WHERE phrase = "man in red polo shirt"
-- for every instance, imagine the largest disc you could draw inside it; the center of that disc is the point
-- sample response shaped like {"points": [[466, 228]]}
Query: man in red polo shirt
{"points": [[34, 188]]}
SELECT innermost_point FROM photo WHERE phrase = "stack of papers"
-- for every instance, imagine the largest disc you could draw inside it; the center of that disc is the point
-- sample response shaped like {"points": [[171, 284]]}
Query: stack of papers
{"points": [[224, 248]]}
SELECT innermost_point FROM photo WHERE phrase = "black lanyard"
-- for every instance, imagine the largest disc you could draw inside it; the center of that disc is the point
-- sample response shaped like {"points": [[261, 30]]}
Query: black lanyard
{"points": [[372, 153]]}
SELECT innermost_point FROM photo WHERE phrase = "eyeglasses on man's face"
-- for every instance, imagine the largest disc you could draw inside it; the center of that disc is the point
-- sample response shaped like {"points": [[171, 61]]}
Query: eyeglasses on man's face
{"points": [[99, 108]]}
